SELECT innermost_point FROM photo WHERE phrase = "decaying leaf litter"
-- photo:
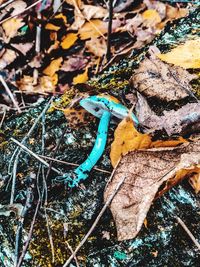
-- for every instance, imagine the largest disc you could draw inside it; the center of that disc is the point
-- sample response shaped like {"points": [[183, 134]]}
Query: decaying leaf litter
{"points": [[81, 213]]}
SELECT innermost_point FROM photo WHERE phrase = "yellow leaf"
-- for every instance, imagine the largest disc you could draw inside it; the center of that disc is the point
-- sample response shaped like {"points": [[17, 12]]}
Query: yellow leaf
{"points": [[151, 17], [53, 67], [93, 29], [11, 27], [186, 55], [127, 138], [69, 40], [81, 78], [52, 27], [61, 16]]}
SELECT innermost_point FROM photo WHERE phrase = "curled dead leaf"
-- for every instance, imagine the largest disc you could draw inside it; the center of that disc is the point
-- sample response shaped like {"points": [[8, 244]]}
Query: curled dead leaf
{"points": [[145, 172], [155, 78]]}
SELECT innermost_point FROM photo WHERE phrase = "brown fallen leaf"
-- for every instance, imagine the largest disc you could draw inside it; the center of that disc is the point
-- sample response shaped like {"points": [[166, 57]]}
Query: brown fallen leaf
{"points": [[15, 7], [45, 85], [195, 182], [77, 117], [155, 78], [186, 55], [93, 12], [93, 29], [96, 46], [74, 62], [7, 57], [145, 172], [23, 47], [175, 12], [184, 121]]}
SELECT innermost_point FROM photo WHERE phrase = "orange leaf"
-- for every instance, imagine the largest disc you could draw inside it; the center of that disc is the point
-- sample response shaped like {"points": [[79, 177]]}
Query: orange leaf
{"points": [[52, 27], [53, 67], [81, 78], [61, 16], [186, 55], [151, 17], [93, 29], [69, 40], [195, 182], [127, 138]]}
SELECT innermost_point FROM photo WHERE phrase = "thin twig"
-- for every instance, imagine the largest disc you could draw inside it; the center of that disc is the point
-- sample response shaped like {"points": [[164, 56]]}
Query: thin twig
{"points": [[71, 164], [71, 250], [10, 94], [18, 151], [29, 193], [50, 236], [108, 53], [3, 117], [21, 12], [54, 153], [108, 201], [34, 155], [29, 236], [6, 4], [184, 226]]}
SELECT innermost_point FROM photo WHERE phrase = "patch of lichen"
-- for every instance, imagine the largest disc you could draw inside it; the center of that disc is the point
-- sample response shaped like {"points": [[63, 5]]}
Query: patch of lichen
{"points": [[113, 84], [63, 101], [40, 248]]}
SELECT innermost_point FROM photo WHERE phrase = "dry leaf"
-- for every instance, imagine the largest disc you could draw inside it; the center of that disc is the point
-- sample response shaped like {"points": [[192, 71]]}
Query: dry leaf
{"points": [[186, 55], [145, 171], [155, 78], [69, 40], [97, 46], [11, 28], [184, 121], [53, 67], [74, 62], [81, 78], [52, 27], [16, 7], [151, 17], [61, 16], [45, 85], [77, 117], [195, 182], [93, 12], [23, 48], [93, 29], [127, 138], [7, 57], [175, 12]]}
